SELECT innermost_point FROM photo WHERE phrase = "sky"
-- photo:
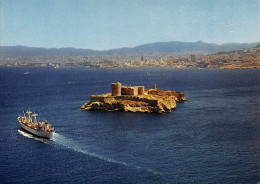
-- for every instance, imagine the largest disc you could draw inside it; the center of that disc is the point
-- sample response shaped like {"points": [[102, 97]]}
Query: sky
{"points": [[108, 24]]}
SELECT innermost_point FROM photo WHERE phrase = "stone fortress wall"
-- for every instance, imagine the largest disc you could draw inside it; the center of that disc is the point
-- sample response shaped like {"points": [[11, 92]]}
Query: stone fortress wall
{"points": [[102, 98], [140, 90], [109, 99], [118, 90], [129, 90]]}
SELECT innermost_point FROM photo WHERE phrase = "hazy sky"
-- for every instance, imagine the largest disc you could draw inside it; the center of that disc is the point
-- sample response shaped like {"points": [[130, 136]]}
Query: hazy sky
{"points": [[106, 24]]}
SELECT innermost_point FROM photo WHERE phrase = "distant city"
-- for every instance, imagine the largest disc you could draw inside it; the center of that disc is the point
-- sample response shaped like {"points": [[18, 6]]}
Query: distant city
{"points": [[243, 58]]}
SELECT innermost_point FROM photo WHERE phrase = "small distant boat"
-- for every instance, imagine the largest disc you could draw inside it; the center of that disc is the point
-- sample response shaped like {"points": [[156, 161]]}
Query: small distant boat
{"points": [[32, 125], [25, 73], [147, 73]]}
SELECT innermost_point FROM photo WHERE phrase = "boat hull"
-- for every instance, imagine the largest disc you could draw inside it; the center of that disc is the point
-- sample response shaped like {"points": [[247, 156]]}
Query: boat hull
{"points": [[42, 134]]}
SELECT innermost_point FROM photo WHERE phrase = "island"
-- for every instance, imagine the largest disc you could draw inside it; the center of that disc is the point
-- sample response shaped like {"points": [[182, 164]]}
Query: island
{"points": [[135, 99]]}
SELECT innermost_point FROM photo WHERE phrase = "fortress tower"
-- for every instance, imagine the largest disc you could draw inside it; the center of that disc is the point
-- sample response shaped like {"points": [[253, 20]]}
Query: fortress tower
{"points": [[116, 89]]}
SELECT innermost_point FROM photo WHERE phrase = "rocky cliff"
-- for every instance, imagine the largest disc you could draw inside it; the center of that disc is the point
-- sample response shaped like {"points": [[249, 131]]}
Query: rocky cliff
{"points": [[154, 100]]}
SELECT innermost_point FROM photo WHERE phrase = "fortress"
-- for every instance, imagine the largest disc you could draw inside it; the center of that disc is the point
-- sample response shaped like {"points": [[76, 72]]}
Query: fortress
{"points": [[117, 89], [135, 99]]}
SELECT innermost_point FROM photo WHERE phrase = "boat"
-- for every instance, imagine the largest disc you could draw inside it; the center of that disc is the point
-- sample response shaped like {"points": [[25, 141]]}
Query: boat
{"points": [[33, 125]]}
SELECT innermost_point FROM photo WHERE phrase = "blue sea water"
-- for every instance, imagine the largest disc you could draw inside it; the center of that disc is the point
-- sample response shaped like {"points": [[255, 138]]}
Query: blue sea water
{"points": [[212, 138]]}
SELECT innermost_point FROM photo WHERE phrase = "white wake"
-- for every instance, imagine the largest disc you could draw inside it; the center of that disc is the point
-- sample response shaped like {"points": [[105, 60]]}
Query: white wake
{"points": [[70, 144]]}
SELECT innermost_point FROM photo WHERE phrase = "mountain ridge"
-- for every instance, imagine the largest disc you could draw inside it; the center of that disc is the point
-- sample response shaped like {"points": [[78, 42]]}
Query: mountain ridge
{"points": [[156, 47]]}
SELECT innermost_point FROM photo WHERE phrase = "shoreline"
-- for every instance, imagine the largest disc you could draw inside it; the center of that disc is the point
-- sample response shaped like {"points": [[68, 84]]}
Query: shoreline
{"points": [[138, 67]]}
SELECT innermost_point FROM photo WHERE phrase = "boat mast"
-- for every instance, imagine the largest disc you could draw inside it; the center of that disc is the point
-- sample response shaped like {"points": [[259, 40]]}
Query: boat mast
{"points": [[29, 116], [35, 117]]}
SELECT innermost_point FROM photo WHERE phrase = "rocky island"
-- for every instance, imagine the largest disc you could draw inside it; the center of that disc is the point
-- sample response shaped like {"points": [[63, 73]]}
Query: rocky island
{"points": [[135, 99]]}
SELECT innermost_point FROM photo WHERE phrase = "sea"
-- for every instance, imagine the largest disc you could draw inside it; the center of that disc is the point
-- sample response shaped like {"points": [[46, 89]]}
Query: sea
{"points": [[212, 138]]}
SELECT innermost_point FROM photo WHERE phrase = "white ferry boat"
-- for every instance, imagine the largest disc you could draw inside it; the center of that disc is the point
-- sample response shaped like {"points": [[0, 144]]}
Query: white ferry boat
{"points": [[32, 125]]}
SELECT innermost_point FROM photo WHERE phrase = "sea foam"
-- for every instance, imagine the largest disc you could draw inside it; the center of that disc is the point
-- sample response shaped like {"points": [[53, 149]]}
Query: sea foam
{"points": [[71, 144]]}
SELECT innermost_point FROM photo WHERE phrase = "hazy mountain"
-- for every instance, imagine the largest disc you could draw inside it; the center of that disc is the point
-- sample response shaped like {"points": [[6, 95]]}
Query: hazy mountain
{"points": [[37, 51], [159, 47]]}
